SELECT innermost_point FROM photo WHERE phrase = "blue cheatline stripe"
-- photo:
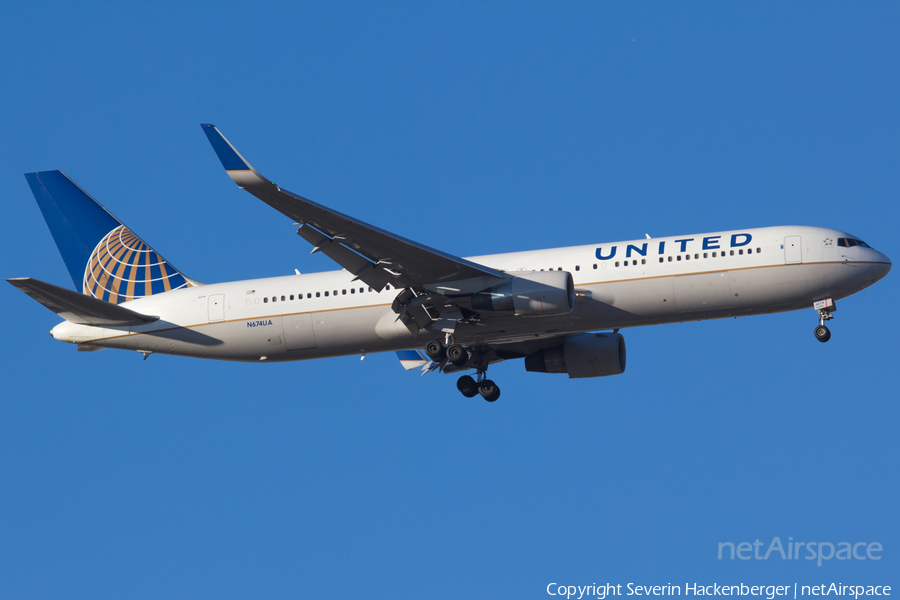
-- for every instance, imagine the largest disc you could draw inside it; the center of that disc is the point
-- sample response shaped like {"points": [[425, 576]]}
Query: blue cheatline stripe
{"points": [[231, 160], [76, 221]]}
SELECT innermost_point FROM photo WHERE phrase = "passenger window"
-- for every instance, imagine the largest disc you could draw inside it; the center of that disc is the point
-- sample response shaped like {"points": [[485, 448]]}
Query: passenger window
{"points": [[617, 263], [758, 250], [361, 290], [319, 294], [696, 256], [335, 292], [687, 257], [705, 255], [660, 259], [595, 265], [326, 294], [670, 259], [678, 257], [643, 261], [370, 289], [274, 298], [266, 300], [732, 252], [387, 287], [343, 292], [292, 296], [309, 295], [282, 298], [352, 290], [714, 254], [577, 268]]}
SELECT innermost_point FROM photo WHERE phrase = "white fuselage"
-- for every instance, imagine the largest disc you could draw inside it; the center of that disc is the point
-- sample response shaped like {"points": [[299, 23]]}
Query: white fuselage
{"points": [[620, 284]]}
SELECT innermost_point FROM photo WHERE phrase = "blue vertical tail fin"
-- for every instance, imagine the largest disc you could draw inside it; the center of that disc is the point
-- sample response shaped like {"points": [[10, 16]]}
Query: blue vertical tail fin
{"points": [[105, 259]]}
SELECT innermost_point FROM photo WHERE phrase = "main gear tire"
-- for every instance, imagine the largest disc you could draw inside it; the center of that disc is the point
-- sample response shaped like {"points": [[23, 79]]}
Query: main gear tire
{"points": [[435, 350], [467, 386], [489, 390]]}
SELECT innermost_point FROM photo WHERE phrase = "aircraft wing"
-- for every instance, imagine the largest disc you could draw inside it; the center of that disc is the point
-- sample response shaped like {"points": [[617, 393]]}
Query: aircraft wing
{"points": [[373, 255], [79, 308]]}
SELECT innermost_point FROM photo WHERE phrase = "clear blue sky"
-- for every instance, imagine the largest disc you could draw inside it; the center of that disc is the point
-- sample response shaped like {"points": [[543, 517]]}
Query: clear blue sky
{"points": [[475, 128]]}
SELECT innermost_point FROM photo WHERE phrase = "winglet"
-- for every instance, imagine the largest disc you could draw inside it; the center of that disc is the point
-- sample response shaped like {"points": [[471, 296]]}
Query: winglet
{"points": [[235, 165]]}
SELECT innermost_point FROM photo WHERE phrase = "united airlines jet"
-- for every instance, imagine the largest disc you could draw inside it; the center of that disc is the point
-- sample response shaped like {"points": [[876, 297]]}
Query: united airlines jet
{"points": [[436, 310]]}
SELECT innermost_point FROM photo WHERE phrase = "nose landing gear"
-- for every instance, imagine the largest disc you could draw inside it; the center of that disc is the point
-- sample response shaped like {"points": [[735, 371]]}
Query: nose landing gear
{"points": [[825, 308]]}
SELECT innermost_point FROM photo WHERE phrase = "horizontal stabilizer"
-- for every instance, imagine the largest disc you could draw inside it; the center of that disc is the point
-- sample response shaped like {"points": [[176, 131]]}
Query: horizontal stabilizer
{"points": [[78, 308], [414, 359]]}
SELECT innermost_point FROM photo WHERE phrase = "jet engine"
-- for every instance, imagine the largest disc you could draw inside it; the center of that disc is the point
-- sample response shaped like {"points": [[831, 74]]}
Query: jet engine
{"points": [[582, 355], [534, 294]]}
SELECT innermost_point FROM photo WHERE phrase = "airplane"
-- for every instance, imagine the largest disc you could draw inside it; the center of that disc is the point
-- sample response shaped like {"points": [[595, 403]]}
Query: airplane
{"points": [[559, 309]]}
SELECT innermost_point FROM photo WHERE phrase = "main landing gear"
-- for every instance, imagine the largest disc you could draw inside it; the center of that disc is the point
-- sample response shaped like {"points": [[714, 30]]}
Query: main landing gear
{"points": [[459, 356], [456, 354], [487, 388], [825, 308]]}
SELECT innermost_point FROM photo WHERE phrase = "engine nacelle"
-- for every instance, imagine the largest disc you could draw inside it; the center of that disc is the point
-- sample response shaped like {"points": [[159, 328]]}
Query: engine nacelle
{"points": [[534, 294], [582, 355]]}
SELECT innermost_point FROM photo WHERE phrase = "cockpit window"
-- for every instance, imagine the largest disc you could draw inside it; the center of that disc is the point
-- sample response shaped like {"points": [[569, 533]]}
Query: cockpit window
{"points": [[850, 242]]}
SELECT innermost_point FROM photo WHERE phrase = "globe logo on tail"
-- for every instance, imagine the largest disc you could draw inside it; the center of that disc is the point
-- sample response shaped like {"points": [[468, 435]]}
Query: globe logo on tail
{"points": [[123, 267]]}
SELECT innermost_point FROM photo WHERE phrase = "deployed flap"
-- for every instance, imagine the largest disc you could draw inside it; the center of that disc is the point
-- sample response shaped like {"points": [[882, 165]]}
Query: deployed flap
{"points": [[78, 308], [370, 253]]}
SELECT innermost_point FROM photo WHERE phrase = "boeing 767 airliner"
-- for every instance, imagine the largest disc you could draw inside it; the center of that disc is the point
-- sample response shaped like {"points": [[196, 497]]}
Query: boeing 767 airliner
{"points": [[438, 311]]}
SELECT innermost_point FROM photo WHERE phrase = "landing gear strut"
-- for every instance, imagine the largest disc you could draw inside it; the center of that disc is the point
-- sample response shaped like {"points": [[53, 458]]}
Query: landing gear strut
{"points": [[825, 308]]}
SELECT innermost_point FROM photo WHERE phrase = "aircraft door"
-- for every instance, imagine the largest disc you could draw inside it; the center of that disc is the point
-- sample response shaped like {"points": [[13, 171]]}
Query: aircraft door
{"points": [[793, 250], [298, 332], [216, 308]]}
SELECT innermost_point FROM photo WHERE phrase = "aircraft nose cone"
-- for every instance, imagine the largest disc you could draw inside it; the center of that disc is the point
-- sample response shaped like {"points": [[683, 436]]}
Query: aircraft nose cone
{"points": [[883, 267]]}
